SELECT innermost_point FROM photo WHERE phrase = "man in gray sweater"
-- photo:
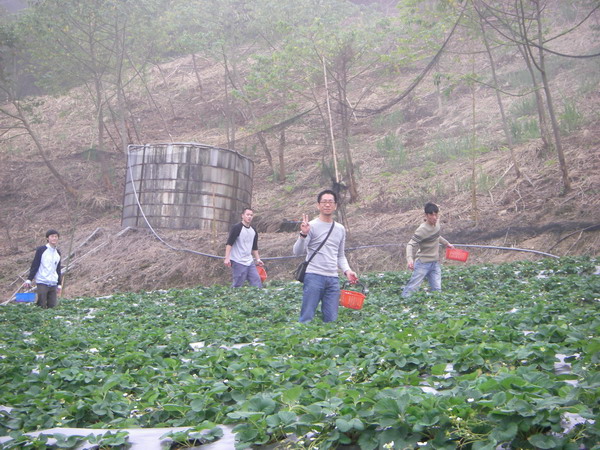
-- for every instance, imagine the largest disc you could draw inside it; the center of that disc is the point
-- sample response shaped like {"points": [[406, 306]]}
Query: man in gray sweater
{"points": [[321, 282], [422, 253]]}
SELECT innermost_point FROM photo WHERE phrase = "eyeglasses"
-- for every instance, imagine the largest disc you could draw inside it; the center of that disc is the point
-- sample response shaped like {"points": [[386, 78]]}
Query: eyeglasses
{"points": [[327, 202]]}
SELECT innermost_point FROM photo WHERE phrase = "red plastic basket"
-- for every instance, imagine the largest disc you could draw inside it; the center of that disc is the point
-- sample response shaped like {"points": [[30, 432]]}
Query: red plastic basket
{"points": [[352, 299], [262, 273], [456, 254]]}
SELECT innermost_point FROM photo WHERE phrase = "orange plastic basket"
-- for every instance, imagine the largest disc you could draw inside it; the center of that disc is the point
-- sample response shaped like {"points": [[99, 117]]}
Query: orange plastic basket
{"points": [[456, 254], [262, 273], [352, 299]]}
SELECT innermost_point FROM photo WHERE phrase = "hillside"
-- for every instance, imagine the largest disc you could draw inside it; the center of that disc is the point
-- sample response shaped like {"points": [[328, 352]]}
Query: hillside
{"points": [[531, 212]]}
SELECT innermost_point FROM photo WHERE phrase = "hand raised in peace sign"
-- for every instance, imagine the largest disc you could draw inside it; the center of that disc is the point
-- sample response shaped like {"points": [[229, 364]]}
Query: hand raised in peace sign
{"points": [[304, 226]]}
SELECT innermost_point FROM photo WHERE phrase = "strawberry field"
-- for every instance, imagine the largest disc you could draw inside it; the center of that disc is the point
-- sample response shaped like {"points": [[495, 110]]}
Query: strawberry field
{"points": [[506, 357]]}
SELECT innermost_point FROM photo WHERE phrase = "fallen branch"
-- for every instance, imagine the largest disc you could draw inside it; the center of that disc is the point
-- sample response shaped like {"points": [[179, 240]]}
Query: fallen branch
{"points": [[503, 175], [590, 228]]}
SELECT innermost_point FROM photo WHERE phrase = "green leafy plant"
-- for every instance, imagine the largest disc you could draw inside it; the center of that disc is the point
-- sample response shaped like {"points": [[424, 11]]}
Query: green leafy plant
{"points": [[474, 366], [108, 440], [198, 435]]}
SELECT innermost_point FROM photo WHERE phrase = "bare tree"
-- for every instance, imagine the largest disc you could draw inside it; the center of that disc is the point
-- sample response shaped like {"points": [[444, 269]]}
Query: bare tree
{"points": [[541, 67], [523, 25], [19, 113], [22, 122], [505, 127]]}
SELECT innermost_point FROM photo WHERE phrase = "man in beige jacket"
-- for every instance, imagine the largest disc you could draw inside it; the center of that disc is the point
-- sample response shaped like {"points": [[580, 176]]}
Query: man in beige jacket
{"points": [[422, 253]]}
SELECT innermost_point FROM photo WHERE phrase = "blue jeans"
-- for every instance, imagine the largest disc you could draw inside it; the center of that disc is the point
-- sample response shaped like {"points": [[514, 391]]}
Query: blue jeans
{"points": [[241, 273], [319, 288], [433, 272]]}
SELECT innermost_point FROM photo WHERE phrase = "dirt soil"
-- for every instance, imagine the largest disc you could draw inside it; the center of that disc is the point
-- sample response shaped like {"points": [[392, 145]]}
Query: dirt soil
{"points": [[531, 212]]}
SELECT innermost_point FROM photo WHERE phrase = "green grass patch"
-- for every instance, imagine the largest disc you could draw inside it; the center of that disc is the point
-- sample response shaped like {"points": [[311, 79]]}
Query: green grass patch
{"points": [[483, 181], [524, 129], [518, 79], [390, 120], [475, 366], [444, 150], [525, 107], [392, 149], [570, 119]]}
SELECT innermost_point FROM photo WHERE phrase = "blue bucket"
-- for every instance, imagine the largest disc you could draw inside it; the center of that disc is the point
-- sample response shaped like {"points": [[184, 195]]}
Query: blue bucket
{"points": [[26, 297]]}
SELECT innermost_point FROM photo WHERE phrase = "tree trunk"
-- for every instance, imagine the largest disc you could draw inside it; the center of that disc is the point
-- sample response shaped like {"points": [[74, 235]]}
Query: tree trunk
{"points": [[228, 108], [505, 126], [12, 243], [121, 103], [263, 143], [474, 207], [152, 100], [40, 148], [122, 113], [197, 73], [539, 101], [345, 118], [99, 113], [166, 83], [131, 123], [541, 110], [282, 173], [555, 127]]}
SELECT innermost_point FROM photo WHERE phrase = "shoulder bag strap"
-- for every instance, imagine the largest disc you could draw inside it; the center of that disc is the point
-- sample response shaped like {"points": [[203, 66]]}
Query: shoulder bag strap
{"points": [[321, 244]]}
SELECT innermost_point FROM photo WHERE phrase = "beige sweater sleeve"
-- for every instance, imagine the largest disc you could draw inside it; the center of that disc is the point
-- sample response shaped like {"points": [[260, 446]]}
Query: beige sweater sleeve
{"points": [[424, 244]]}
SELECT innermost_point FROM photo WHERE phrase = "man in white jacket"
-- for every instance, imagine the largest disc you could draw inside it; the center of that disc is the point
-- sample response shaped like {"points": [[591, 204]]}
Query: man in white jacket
{"points": [[46, 271]]}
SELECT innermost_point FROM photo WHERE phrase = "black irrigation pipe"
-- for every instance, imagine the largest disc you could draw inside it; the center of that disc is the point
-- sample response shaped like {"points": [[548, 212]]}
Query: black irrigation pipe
{"points": [[516, 249], [273, 258], [509, 248]]}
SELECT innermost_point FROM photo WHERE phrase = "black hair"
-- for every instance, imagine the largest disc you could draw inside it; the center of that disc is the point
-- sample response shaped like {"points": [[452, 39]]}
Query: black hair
{"points": [[431, 208], [326, 191], [50, 232], [246, 209]]}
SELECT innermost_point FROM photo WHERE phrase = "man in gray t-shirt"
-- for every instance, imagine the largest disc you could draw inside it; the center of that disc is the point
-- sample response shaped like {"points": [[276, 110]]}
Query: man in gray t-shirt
{"points": [[321, 282], [241, 247]]}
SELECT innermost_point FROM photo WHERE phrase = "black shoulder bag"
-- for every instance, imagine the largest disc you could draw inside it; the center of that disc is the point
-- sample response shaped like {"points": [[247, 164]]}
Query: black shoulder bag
{"points": [[301, 270]]}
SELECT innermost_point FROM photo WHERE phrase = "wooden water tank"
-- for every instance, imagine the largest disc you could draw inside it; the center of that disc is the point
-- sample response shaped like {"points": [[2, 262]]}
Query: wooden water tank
{"points": [[185, 186]]}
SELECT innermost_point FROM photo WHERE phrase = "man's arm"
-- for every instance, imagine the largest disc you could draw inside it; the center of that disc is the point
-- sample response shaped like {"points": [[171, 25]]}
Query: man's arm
{"points": [[255, 248], [227, 260], [257, 258], [233, 235], [445, 243], [343, 261], [59, 273], [301, 244], [412, 247], [35, 265]]}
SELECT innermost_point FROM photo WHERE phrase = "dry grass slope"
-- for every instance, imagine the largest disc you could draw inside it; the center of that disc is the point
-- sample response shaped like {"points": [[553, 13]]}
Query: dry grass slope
{"points": [[530, 212]]}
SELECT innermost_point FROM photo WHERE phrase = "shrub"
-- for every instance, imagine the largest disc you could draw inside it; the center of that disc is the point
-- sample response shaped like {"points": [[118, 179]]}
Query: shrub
{"points": [[570, 119], [391, 148], [524, 129]]}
